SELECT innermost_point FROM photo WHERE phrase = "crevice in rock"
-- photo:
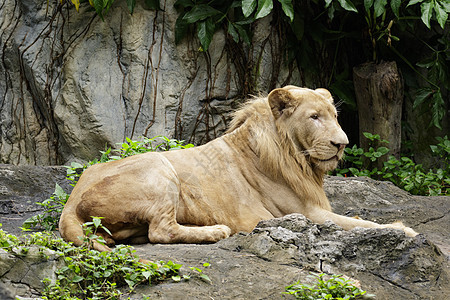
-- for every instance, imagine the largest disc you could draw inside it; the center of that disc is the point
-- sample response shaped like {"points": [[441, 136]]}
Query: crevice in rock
{"points": [[395, 284], [435, 218]]}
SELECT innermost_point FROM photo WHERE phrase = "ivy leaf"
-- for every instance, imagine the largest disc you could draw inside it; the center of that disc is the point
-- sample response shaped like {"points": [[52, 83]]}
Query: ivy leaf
{"points": [[76, 3], [205, 32], [264, 8], [76, 165], [446, 6], [412, 2], [248, 6], [438, 110], [152, 4], [379, 7], [368, 4], [77, 278], [59, 192], [327, 3], [427, 11], [183, 3], [199, 13], [181, 27], [131, 4], [232, 31], [98, 6], [421, 95], [348, 5], [288, 8], [441, 14], [395, 6], [243, 34], [97, 222]]}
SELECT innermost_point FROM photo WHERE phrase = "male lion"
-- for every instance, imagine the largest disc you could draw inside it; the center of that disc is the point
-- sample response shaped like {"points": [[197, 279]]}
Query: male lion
{"points": [[270, 163]]}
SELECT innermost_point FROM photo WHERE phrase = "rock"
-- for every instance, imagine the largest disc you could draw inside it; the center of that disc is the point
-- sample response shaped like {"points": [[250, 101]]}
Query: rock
{"points": [[72, 83], [21, 187], [383, 202], [22, 275], [278, 252], [385, 261]]}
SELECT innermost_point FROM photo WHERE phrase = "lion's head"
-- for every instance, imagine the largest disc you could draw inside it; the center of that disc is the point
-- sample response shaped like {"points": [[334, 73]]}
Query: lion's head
{"points": [[308, 120]]}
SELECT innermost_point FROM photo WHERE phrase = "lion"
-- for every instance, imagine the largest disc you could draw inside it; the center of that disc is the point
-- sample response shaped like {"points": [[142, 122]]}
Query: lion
{"points": [[271, 162]]}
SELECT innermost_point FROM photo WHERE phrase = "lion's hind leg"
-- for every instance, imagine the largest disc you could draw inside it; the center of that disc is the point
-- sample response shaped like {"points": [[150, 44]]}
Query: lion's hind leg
{"points": [[162, 219], [165, 229]]}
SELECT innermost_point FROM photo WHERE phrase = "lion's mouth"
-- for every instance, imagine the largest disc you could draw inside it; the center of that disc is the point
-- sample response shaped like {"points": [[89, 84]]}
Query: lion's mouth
{"points": [[329, 159]]}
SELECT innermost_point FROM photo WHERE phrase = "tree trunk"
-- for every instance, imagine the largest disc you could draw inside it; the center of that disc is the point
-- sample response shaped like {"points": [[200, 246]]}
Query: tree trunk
{"points": [[379, 96]]}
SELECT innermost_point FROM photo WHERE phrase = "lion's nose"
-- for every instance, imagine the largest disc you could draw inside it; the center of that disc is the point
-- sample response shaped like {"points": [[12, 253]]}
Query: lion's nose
{"points": [[340, 140], [338, 145]]}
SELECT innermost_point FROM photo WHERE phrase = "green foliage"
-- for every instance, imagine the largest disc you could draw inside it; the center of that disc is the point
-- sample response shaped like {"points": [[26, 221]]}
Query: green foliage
{"points": [[337, 287], [373, 9], [442, 150], [87, 273], [49, 218], [381, 16], [90, 230], [234, 16], [200, 273], [403, 172], [158, 143], [437, 71]]}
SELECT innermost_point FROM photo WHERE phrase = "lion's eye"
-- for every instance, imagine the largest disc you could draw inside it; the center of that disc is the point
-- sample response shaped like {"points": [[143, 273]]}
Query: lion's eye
{"points": [[315, 116]]}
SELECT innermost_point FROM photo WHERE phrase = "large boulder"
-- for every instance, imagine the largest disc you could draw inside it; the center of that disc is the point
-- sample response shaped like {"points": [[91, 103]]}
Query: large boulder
{"points": [[258, 265]]}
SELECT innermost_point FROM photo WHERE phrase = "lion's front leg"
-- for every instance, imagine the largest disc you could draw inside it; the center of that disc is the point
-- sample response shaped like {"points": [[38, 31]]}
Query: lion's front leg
{"points": [[320, 215]]}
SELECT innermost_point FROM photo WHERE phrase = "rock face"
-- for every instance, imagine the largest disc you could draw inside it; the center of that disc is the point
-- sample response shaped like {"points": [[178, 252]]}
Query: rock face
{"points": [[72, 83], [258, 265], [21, 187]]}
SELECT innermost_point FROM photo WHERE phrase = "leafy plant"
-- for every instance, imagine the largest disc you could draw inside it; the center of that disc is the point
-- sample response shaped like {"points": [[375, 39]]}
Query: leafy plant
{"points": [[360, 161], [90, 230], [442, 150], [337, 287], [87, 273], [200, 273], [381, 18], [100, 274], [403, 172], [158, 143], [235, 16]]}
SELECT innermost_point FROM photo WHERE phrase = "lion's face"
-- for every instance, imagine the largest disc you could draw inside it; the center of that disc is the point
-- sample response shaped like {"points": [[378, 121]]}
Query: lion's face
{"points": [[310, 119]]}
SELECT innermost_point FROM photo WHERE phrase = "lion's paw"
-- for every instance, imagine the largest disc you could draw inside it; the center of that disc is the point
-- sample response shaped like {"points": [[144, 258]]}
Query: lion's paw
{"points": [[399, 225], [221, 231]]}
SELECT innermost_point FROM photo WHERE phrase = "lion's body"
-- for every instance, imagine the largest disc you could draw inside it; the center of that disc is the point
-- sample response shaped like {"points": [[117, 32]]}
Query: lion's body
{"points": [[269, 164]]}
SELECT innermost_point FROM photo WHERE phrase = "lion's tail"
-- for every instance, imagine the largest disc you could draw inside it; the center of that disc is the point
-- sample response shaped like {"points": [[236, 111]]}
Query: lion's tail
{"points": [[71, 230]]}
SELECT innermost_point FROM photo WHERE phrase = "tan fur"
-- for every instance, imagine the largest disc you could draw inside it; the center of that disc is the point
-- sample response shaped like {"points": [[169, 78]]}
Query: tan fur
{"points": [[270, 163]]}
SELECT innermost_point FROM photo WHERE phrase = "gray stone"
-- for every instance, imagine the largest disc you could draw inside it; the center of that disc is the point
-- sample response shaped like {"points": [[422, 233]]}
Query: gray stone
{"points": [[21, 187]]}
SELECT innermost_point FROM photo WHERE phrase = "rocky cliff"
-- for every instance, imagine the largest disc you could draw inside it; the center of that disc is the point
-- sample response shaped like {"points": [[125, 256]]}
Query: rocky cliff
{"points": [[72, 83]]}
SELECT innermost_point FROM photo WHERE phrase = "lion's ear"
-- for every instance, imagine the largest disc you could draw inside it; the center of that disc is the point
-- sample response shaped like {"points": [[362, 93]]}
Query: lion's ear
{"points": [[280, 102], [326, 94]]}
